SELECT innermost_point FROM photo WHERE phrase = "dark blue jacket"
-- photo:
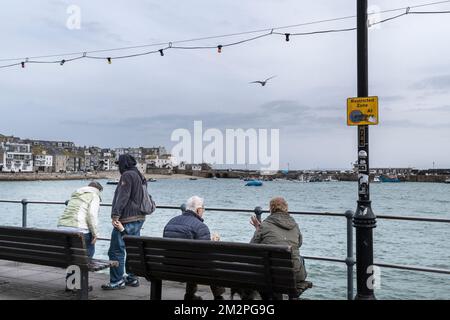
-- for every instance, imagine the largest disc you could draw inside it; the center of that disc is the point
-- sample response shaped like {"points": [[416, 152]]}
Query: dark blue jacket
{"points": [[129, 193], [187, 226]]}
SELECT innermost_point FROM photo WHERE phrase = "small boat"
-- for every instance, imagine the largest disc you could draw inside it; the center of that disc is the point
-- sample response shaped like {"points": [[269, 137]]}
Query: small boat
{"points": [[115, 182], [254, 183], [152, 180], [389, 178], [376, 179], [192, 178], [447, 180]]}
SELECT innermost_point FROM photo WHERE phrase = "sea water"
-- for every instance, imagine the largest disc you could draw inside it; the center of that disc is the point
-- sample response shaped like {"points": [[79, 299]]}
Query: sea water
{"points": [[398, 242]]}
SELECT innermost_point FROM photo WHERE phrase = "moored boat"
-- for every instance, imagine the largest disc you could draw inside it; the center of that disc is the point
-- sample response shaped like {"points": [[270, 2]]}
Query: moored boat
{"points": [[389, 178], [254, 183]]}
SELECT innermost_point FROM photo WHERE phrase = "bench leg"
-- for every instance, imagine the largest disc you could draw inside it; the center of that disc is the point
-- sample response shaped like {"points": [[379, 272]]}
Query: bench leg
{"points": [[83, 294], [155, 290]]}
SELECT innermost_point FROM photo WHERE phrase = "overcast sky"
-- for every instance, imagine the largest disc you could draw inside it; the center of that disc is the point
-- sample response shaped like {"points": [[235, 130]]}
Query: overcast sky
{"points": [[140, 101]]}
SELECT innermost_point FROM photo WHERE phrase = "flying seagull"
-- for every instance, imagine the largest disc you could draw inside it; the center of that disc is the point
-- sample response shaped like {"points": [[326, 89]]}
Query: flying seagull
{"points": [[263, 83]]}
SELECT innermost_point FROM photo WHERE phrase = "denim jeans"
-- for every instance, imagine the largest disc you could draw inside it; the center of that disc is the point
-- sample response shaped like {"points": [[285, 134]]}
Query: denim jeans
{"points": [[117, 250], [89, 246]]}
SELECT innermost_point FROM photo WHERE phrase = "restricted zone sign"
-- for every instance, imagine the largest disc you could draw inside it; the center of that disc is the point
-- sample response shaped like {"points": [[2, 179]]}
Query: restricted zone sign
{"points": [[362, 111]]}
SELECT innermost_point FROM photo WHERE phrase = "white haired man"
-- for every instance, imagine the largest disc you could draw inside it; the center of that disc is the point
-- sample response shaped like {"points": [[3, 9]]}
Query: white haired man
{"points": [[190, 225]]}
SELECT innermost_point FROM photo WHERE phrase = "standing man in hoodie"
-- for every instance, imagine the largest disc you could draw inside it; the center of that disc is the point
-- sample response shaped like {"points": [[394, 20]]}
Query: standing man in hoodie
{"points": [[81, 214], [126, 208]]}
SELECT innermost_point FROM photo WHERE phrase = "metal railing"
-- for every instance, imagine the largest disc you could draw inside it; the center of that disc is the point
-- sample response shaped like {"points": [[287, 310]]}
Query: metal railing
{"points": [[348, 215]]}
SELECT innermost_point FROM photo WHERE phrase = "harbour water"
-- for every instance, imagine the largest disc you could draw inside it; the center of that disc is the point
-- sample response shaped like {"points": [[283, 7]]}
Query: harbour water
{"points": [[399, 242]]}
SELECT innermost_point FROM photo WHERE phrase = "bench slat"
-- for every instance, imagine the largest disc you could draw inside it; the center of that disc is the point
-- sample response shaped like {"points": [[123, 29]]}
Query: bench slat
{"points": [[41, 247], [201, 256], [213, 264], [44, 261], [180, 253], [83, 259], [56, 235], [286, 280], [214, 246]]}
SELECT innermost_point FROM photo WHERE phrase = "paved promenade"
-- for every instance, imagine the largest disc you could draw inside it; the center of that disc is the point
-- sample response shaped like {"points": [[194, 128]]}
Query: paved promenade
{"points": [[19, 281]]}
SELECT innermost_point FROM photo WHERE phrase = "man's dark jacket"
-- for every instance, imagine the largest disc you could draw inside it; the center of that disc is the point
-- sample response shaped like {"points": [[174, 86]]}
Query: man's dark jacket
{"points": [[187, 226], [129, 192]]}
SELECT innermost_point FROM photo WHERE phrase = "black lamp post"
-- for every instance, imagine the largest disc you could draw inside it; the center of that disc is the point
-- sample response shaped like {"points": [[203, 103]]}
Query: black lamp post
{"points": [[364, 220]]}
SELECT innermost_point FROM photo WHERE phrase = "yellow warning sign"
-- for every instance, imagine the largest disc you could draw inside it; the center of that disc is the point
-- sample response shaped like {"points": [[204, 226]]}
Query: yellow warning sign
{"points": [[362, 111]]}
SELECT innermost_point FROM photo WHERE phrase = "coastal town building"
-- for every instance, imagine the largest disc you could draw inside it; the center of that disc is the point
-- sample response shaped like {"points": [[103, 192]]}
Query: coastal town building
{"points": [[15, 157], [46, 143], [141, 153], [43, 162], [60, 163], [10, 139]]}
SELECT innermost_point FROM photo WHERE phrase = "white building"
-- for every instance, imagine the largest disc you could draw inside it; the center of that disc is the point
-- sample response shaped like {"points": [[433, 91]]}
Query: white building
{"points": [[16, 157], [43, 162], [182, 165], [165, 161]]}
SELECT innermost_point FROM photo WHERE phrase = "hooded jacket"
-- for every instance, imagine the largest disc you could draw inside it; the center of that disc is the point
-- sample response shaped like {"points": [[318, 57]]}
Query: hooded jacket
{"points": [[187, 226], [129, 193], [281, 229], [82, 210]]}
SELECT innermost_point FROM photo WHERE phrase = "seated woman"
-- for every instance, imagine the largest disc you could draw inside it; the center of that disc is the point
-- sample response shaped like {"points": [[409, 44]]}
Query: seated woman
{"points": [[281, 229]]}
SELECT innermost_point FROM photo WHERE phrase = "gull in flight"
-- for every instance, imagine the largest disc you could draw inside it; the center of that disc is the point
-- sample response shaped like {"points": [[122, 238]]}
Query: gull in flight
{"points": [[263, 83]]}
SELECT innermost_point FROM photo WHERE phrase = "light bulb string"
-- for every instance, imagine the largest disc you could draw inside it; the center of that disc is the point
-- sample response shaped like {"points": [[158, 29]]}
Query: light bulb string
{"points": [[85, 55]]}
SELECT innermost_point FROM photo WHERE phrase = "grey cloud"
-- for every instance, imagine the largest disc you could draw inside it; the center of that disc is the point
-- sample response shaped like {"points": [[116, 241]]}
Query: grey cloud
{"points": [[435, 83], [434, 109]]}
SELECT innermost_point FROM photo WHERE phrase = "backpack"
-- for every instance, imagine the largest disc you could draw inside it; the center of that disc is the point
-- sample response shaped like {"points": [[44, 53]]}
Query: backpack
{"points": [[148, 206]]}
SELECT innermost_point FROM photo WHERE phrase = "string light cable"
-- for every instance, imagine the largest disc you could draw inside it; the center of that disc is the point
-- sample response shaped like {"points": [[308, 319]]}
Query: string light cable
{"points": [[70, 57]]}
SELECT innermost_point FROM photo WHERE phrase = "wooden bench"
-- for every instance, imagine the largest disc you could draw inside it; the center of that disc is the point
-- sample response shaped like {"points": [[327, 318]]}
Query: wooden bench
{"points": [[265, 268], [52, 248]]}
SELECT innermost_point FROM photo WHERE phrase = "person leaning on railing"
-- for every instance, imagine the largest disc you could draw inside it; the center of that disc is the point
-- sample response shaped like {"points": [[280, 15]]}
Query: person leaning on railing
{"points": [[280, 228], [81, 214]]}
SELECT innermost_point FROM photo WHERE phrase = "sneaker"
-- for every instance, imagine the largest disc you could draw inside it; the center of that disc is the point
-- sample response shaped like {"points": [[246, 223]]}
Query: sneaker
{"points": [[192, 297], [132, 282], [114, 286]]}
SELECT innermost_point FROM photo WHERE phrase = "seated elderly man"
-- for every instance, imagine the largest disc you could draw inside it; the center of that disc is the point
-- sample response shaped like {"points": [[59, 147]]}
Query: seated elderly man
{"points": [[190, 225]]}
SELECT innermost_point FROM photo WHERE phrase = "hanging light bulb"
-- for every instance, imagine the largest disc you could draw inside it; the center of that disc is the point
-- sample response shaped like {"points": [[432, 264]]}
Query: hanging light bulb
{"points": [[109, 60], [161, 52], [287, 36], [62, 62], [219, 48]]}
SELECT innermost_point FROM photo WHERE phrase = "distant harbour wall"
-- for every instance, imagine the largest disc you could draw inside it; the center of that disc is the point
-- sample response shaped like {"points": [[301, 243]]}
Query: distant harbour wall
{"points": [[50, 176], [224, 174]]}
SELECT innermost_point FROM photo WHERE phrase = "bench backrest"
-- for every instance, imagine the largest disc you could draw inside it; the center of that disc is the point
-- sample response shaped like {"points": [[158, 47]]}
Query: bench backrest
{"points": [[44, 247], [267, 268]]}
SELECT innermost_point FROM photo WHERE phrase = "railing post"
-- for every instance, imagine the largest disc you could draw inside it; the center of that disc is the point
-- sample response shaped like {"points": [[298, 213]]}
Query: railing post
{"points": [[24, 212], [258, 213], [349, 261]]}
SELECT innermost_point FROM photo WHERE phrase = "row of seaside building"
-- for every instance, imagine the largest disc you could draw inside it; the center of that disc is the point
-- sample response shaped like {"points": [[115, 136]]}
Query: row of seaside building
{"points": [[26, 155]]}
